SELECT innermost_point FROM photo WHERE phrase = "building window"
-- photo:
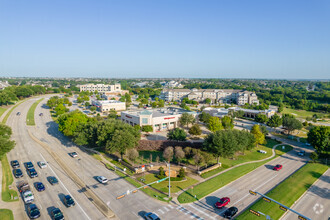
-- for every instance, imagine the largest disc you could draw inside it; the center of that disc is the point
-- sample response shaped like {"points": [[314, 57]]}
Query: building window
{"points": [[144, 121]]}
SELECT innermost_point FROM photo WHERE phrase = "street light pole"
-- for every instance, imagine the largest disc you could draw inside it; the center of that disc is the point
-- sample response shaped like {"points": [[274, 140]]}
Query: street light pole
{"points": [[169, 180]]}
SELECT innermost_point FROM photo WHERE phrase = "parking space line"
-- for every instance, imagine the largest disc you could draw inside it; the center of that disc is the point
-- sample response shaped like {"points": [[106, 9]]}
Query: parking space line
{"points": [[161, 211]]}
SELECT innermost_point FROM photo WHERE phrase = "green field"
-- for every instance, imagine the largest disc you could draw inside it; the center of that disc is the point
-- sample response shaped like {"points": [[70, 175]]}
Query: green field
{"points": [[302, 113], [30, 114], [7, 179], [4, 121], [287, 192], [2, 110], [6, 214]]}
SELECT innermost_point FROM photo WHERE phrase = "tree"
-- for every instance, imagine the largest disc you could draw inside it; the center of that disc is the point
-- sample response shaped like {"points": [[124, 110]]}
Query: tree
{"points": [[204, 117], [280, 108], [198, 159], [133, 154], [274, 121], [290, 123], [181, 173], [161, 173], [187, 119], [112, 114], [168, 154], [147, 128], [93, 108], [177, 134], [264, 130], [179, 154], [60, 109], [319, 138], [6, 144], [258, 135], [195, 130], [314, 156], [207, 157], [207, 101], [261, 118], [214, 124], [68, 123], [227, 122], [87, 104], [120, 142], [187, 151]]}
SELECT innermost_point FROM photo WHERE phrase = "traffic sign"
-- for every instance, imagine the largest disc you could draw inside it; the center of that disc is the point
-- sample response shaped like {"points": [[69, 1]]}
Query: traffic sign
{"points": [[283, 208], [267, 200], [301, 218], [252, 193], [254, 212]]}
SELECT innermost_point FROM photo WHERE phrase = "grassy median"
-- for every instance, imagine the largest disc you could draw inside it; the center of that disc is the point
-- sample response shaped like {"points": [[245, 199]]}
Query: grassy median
{"points": [[2, 110], [30, 114], [4, 121], [6, 214], [287, 192], [8, 195]]}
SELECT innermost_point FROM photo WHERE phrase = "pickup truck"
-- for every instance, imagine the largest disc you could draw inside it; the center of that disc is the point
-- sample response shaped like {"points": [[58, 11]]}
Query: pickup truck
{"points": [[25, 191]]}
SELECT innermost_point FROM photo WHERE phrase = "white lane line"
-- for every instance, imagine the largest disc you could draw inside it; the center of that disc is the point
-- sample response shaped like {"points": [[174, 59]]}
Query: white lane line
{"points": [[161, 211], [66, 188], [170, 206], [202, 211], [166, 209]]}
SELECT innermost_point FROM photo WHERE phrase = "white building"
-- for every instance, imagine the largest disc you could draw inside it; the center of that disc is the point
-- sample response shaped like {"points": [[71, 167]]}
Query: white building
{"points": [[107, 105], [4, 84], [159, 119], [101, 88], [216, 95], [249, 113], [172, 84]]}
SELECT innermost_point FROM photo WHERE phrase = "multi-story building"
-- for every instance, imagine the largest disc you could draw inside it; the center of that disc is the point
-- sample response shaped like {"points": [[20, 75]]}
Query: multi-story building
{"points": [[4, 84], [101, 88], [216, 95], [159, 119], [107, 105], [249, 113]]}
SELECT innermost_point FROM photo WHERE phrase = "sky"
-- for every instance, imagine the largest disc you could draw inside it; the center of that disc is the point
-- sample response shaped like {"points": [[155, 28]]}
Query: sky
{"points": [[165, 38]]}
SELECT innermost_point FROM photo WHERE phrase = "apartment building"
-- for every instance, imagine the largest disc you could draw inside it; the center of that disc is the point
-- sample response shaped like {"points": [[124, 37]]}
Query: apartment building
{"points": [[101, 88], [216, 95]]}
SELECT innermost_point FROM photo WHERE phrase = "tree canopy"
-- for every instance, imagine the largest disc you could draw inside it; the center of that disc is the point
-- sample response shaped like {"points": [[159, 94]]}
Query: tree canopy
{"points": [[258, 135], [319, 138], [187, 119], [214, 124], [177, 134], [274, 121]]}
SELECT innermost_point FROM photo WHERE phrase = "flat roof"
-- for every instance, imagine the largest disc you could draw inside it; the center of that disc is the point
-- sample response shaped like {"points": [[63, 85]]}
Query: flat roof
{"points": [[107, 101], [159, 112]]}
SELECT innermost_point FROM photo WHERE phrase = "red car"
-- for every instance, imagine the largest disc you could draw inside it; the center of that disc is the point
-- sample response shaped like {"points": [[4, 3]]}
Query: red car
{"points": [[278, 167], [222, 202]]}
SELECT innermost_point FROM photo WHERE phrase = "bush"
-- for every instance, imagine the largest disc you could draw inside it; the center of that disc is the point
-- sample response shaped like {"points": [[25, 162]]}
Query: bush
{"points": [[314, 156], [181, 173], [161, 174]]}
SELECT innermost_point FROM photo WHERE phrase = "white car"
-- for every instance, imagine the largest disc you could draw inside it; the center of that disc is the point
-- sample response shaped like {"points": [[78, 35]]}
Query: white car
{"points": [[42, 164], [262, 151], [102, 179]]}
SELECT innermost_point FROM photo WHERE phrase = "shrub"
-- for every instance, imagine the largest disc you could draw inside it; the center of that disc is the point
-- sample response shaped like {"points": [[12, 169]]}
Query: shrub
{"points": [[181, 173], [161, 174]]}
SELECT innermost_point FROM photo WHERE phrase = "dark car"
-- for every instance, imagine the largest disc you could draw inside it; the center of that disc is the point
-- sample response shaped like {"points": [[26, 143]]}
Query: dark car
{"points": [[18, 113], [29, 165], [68, 201], [33, 211], [73, 154], [229, 213], [32, 172], [57, 214], [18, 173], [222, 202], [14, 164], [301, 153], [277, 167], [40, 186], [52, 180], [41, 114], [151, 216]]}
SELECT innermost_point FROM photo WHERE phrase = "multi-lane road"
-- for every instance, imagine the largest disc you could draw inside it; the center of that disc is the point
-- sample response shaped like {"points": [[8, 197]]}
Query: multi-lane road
{"points": [[132, 206]]}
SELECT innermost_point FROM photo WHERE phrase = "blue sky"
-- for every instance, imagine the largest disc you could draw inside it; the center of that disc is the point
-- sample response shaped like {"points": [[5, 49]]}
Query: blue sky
{"points": [[169, 38]]}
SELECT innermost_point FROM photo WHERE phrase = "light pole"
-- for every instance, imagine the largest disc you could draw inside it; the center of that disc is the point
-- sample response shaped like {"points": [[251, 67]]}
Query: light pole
{"points": [[169, 179]]}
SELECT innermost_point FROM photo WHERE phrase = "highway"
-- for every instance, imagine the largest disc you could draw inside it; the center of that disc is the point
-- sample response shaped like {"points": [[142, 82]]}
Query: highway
{"points": [[315, 202]]}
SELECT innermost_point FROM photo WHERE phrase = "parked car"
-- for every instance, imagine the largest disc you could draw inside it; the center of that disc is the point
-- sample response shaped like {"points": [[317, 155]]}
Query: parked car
{"points": [[222, 202], [102, 179], [32, 173], [41, 114], [73, 154], [301, 153], [151, 216], [277, 167], [33, 211], [308, 144], [14, 164], [18, 173], [52, 180], [229, 213], [29, 165], [57, 214], [42, 164], [40, 186], [68, 201], [262, 151]]}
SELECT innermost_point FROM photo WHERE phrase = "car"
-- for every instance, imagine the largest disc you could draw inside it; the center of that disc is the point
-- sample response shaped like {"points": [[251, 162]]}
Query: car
{"points": [[18, 173], [42, 164], [52, 180], [102, 179], [301, 153], [229, 213], [57, 214], [277, 167], [308, 144], [39, 186], [33, 211], [73, 154], [29, 165], [222, 202], [32, 173], [18, 113], [262, 151], [14, 163], [151, 216], [68, 201], [41, 114]]}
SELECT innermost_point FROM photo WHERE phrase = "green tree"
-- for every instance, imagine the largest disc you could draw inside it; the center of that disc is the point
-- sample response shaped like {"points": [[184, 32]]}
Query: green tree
{"points": [[112, 114], [147, 128], [290, 123], [179, 154], [314, 156], [93, 108], [68, 123], [181, 173], [177, 134], [87, 104], [261, 118], [264, 130], [204, 117], [187, 119], [274, 121], [319, 138], [214, 124], [227, 122], [168, 154], [6, 145], [121, 142], [208, 101], [195, 130], [60, 109], [133, 154], [258, 135], [198, 159]]}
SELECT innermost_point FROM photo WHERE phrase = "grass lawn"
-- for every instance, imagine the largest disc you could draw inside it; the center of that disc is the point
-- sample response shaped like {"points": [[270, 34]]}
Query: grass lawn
{"points": [[176, 186], [2, 110], [30, 114], [6, 214], [146, 156], [7, 180], [287, 192], [4, 121], [301, 113]]}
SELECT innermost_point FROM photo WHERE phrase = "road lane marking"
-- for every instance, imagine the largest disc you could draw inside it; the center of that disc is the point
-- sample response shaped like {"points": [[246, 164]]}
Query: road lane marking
{"points": [[170, 206], [66, 188], [201, 211], [166, 209], [161, 211]]}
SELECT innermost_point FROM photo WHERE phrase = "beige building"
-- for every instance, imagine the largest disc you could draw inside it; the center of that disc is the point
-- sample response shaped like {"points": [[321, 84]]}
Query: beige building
{"points": [[101, 88], [160, 119], [216, 95], [107, 105]]}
